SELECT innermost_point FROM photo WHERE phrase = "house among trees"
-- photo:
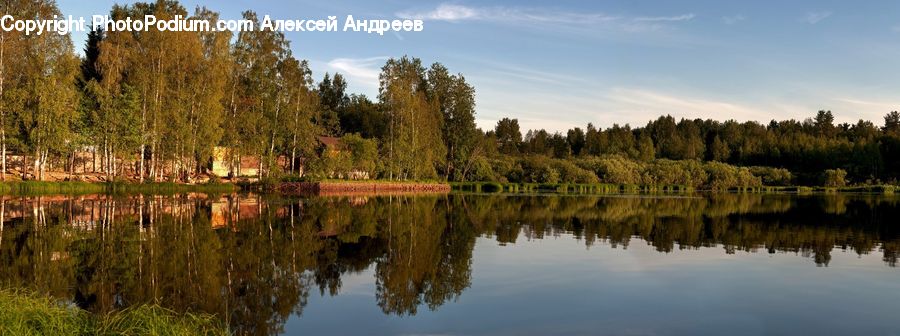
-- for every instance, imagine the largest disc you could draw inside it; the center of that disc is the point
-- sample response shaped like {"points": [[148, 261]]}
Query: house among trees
{"points": [[331, 146], [349, 157], [338, 158], [224, 164]]}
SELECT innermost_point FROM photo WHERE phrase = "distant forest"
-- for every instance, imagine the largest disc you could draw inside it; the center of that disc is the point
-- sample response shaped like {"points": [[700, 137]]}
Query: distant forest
{"points": [[153, 106]]}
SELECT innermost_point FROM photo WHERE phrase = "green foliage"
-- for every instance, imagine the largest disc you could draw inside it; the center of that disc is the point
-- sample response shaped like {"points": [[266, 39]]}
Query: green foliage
{"points": [[354, 158], [538, 169], [570, 172], [773, 176], [74, 187], [414, 148], [508, 135], [671, 173], [834, 178], [614, 169], [722, 176]]}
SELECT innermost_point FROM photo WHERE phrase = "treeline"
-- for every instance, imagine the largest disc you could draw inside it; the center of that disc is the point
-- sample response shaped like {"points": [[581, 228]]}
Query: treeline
{"points": [[153, 106], [815, 151]]}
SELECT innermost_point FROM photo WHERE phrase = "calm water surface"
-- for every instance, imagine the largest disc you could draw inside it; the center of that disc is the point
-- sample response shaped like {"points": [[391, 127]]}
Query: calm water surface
{"points": [[471, 264]]}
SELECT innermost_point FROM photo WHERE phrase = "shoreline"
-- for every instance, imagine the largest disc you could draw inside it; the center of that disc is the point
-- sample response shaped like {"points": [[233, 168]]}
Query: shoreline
{"points": [[603, 188], [354, 188], [77, 187], [379, 187]]}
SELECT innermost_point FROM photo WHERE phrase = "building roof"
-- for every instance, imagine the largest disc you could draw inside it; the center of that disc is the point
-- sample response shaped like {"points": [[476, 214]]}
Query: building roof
{"points": [[328, 141]]}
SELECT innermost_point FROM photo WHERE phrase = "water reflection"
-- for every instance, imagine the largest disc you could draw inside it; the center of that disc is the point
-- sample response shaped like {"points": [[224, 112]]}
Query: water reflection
{"points": [[254, 260]]}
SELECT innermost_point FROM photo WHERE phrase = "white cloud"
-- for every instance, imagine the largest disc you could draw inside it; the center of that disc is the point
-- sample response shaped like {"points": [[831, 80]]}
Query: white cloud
{"points": [[362, 71], [878, 105], [444, 12], [523, 15], [733, 19], [653, 103], [453, 13], [815, 17], [683, 17]]}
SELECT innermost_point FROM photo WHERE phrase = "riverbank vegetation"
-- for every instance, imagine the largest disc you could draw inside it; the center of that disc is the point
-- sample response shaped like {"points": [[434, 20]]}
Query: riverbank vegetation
{"points": [[74, 187], [163, 106], [25, 313]]}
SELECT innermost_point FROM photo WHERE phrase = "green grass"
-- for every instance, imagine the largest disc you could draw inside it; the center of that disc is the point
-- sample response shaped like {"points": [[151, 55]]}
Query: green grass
{"points": [[73, 187], [24, 313]]}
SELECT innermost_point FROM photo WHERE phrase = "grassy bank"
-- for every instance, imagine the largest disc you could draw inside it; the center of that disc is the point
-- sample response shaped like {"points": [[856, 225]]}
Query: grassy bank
{"points": [[73, 187], [605, 188], [23, 313]]}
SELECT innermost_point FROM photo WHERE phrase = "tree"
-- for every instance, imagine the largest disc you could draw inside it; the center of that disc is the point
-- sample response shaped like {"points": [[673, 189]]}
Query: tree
{"points": [[892, 123], [834, 178], [508, 135], [415, 147], [646, 150], [256, 105], [364, 117], [301, 103], [46, 94], [592, 140], [719, 150], [332, 99], [12, 43], [576, 139], [824, 124], [456, 101]]}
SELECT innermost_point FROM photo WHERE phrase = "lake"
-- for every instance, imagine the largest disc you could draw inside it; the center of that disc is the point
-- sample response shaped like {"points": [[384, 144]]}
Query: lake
{"points": [[467, 264]]}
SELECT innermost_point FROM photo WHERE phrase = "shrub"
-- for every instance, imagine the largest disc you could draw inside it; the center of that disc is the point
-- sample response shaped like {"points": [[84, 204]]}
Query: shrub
{"points": [[668, 173], [834, 178], [773, 176], [482, 170], [537, 169], [571, 173], [614, 169], [723, 176]]}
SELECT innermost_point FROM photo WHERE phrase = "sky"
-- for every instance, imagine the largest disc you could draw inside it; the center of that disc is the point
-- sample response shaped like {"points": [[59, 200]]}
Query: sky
{"points": [[562, 64]]}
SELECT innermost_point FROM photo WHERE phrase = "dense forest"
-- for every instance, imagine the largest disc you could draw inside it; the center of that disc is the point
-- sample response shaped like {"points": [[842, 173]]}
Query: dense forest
{"points": [[153, 106]]}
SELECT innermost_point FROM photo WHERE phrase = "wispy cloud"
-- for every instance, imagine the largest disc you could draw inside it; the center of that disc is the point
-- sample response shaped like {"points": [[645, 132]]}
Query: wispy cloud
{"points": [[444, 12], [683, 17], [363, 71], [733, 19], [896, 29], [865, 103], [456, 13], [653, 103], [816, 17], [453, 13]]}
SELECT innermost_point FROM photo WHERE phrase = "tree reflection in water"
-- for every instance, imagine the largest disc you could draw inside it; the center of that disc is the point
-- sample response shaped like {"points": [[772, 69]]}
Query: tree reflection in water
{"points": [[253, 260]]}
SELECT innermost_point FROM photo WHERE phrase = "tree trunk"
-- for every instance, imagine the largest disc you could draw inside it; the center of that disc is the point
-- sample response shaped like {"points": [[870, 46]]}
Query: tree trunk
{"points": [[259, 173], [2, 108], [43, 164], [140, 172], [293, 152], [3, 152], [37, 162], [153, 170]]}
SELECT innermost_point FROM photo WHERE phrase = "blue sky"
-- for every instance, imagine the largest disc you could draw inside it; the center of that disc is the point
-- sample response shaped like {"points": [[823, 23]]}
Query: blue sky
{"points": [[560, 64]]}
